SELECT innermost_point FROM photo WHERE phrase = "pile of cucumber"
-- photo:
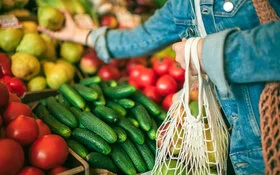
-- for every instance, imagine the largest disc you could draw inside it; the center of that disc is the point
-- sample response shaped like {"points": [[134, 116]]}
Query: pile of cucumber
{"points": [[111, 125]]}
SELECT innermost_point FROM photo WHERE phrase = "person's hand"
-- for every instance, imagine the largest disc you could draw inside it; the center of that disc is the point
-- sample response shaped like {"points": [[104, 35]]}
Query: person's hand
{"points": [[70, 32], [179, 49]]}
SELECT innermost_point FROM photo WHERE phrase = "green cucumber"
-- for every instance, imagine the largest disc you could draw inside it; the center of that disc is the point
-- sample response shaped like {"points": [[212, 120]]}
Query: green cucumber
{"points": [[133, 121], [148, 103], [122, 160], [152, 133], [126, 103], [86, 92], [142, 116], [101, 99], [93, 123], [134, 155], [133, 132], [61, 113], [62, 100], [55, 126], [101, 161], [78, 148], [147, 155], [72, 96], [162, 115], [90, 80], [122, 136], [120, 91], [121, 111], [151, 144], [106, 114], [91, 140]]}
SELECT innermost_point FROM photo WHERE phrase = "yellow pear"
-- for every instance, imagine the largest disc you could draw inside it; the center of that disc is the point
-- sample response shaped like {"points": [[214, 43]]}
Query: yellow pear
{"points": [[29, 27], [10, 39], [37, 83], [68, 67], [33, 44]]}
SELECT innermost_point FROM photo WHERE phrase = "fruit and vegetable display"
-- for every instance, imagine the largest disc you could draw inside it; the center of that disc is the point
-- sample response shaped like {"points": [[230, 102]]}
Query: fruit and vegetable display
{"points": [[111, 125], [27, 144]]}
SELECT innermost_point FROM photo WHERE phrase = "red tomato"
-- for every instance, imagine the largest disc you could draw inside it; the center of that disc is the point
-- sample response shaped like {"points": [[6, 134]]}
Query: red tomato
{"points": [[162, 65], [4, 99], [147, 77], [135, 61], [166, 85], [1, 121], [119, 63], [48, 151], [15, 109], [57, 170], [177, 72], [134, 74], [167, 101], [13, 97], [151, 92], [11, 157], [29, 170], [23, 129], [109, 72], [43, 128], [134, 83]]}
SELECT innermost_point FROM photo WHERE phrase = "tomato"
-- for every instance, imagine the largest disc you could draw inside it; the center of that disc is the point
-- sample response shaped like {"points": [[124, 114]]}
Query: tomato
{"points": [[135, 61], [4, 99], [29, 170], [1, 121], [151, 92], [23, 129], [166, 85], [48, 151], [167, 101], [43, 128], [13, 97], [57, 170], [119, 63], [177, 72], [109, 72], [162, 65], [11, 157], [15, 109], [134, 74], [134, 83], [147, 77]]}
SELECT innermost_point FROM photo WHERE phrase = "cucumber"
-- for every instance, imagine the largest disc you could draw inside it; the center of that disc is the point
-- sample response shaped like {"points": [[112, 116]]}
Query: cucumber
{"points": [[148, 103], [133, 121], [122, 136], [101, 99], [91, 140], [90, 80], [151, 144], [126, 102], [133, 132], [121, 159], [120, 91], [72, 96], [152, 133], [134, 155], [98, 160], [77, 148], [61, 113], [117, 108], [55, 126], [147, 155], [162, 115], [86, 92], [106, 114], [62, 100], [93, 123], [112, 83], [142, 116]]}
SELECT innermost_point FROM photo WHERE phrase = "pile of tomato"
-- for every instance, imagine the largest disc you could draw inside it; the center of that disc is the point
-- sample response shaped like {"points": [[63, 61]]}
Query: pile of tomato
{"points": [[27, 145]]}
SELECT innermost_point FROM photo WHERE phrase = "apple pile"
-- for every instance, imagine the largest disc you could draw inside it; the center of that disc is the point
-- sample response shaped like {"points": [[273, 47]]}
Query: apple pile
{"points": [[27, 144]]}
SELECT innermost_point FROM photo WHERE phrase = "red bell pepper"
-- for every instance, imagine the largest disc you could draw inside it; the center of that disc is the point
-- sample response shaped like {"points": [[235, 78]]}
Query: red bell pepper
{"points": [[5, 65], [14, 85]]}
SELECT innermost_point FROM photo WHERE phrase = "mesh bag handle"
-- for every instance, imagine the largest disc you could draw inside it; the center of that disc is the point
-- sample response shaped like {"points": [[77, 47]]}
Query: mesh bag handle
{"points": [[269, 104]]}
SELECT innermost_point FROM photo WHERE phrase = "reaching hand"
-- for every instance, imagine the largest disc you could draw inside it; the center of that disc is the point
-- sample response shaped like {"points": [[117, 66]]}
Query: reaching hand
{"points": [[70, 32]]}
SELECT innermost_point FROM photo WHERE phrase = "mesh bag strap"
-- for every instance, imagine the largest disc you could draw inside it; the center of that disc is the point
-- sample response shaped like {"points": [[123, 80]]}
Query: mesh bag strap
{"points": [[269, 104]]}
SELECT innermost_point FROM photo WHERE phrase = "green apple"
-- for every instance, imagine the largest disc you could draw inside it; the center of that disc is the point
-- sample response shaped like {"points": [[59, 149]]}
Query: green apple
{"points": [[37, 83]]}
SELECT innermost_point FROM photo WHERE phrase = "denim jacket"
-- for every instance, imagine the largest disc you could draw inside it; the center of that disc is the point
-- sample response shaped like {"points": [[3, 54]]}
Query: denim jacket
{"points": [[238, 59]]}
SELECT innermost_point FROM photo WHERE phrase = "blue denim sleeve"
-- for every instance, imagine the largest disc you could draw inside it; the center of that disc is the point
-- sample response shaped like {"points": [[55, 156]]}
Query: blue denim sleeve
{"points": [[156, 33], [243, 56]]}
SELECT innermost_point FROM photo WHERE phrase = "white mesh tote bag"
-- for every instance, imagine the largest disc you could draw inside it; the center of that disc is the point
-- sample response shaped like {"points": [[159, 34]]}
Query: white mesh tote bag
{"points": [[193, 139]]}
